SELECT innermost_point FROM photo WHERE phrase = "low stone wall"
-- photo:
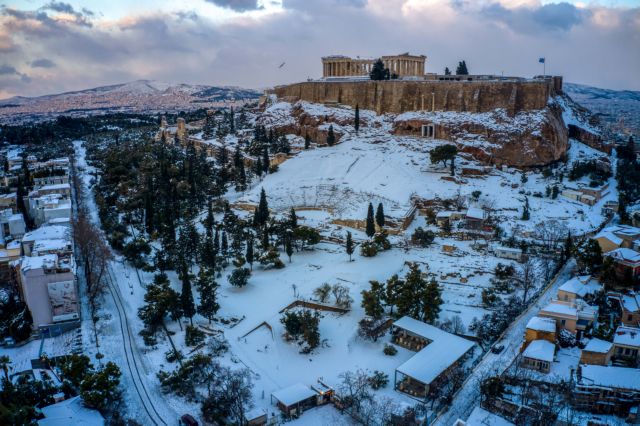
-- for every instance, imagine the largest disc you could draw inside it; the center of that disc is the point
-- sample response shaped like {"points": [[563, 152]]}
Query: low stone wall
{"points": [[398, 96]]}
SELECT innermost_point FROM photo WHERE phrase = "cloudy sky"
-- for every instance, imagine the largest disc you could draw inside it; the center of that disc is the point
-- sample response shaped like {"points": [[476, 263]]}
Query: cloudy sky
{"points": [[53, 46]]}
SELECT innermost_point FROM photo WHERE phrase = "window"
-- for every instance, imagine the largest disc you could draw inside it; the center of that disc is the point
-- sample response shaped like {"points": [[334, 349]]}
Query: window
{"points": [[563, 322], [428, 131], [629, 317]]}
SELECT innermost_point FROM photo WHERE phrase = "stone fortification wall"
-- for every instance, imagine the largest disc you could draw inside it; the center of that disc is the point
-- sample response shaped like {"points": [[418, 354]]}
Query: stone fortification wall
{"points": [[398, 96]]}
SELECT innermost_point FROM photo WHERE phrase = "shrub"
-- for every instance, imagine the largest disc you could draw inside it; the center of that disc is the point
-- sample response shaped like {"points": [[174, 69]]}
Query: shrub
{"points": [[422, 238], [239, 277], [193, 336], [368, 249], [390, 350], [173, 355], [378, 380], [322, 292]]}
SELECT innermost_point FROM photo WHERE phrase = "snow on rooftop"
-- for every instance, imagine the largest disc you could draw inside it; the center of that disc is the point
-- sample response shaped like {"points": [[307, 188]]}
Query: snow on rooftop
{"points": [[542, 350], [55, 187], [542, 324], [581, 286], [627, 336], [482, 417], [70, 412], [47, 233], [475, 213], [294, 393], [625, 255], [613, 377], [52, 244], [557, 307], [38, 262], [444, 350], [631, 302], [598, 345]]}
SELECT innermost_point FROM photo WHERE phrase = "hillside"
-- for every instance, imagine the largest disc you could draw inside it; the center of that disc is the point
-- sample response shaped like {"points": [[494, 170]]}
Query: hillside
{"points": [[620, 109], [136, 96]]}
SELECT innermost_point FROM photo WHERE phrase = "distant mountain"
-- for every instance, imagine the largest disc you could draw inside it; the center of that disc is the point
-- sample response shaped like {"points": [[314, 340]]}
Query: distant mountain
{"points": [[617, 109], [136, 96]]}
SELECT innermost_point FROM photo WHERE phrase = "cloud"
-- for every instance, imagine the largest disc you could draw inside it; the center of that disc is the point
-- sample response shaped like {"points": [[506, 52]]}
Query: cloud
{"points": [[43, 63], [237, 5], [79, 17], [246, 49], [548, 17], [7, 69]]}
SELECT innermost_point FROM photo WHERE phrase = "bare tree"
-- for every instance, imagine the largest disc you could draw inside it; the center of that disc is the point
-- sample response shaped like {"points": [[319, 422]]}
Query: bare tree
{"points": [[526, 279]]}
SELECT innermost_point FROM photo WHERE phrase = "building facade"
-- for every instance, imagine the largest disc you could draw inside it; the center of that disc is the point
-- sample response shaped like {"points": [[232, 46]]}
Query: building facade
{"points": [[403, 65]]}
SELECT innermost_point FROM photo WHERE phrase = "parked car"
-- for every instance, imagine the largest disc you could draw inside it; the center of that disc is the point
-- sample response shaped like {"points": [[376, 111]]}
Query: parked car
{"points": [[188, 420], [497, 349]]}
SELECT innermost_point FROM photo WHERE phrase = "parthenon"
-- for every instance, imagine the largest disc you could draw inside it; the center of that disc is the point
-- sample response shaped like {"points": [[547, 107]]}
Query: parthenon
{"points": [[403, 65]]}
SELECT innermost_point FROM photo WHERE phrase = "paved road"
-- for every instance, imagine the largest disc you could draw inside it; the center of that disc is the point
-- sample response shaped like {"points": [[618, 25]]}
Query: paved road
{"points": [[469, 394]]}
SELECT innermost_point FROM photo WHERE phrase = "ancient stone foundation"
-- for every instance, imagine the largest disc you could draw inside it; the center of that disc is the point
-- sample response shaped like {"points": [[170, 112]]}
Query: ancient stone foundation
{"points": [[398, 96]]}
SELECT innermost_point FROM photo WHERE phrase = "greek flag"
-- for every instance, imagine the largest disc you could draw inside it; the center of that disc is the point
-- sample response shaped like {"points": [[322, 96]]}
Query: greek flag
{"points": [[541, 60]]}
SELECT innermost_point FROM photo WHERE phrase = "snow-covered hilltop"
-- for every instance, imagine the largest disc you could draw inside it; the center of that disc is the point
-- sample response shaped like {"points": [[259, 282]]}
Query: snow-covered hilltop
{"points": [[136, 96]]}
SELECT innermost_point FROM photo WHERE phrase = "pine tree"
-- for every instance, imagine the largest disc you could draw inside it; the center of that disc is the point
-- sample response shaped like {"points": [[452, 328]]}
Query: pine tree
{"points": [[257, 167], [349, 245], [380, 216], [554, 192], [293, 219], [186, 297], [331, 137], [370, 226], [431, 299], [408, 295], [356, 123], [249, 254], [307, 141], [462, 68], [447, 71], [372, 300], [208, 289], [378, 71]]}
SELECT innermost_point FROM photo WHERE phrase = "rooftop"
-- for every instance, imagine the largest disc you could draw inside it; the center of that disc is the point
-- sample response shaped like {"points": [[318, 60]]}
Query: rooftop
{"points": [[625, 255], [611, 377], [482, 417], [542, 350], [38, 262], [627, 336], [598, 345], [70, 412], [444, 350], [542, 324], [581, 286], [294, 393], [47, 233]]}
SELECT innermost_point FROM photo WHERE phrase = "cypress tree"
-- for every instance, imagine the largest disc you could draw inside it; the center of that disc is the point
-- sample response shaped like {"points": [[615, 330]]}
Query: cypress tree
{"points": [[186, 297], [288, 247], [370, 226], [225, 244], [216, 242], [331, 137], [349, 245], [380, 215], [249, 254], [307, 141], [263, 209], [265, 160], [293, 219], [356, 123], [447, 71], [568, 246], [257, 167]]}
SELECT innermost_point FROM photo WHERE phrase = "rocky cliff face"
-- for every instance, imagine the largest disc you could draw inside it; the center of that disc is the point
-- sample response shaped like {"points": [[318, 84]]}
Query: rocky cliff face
{"points": [[528, 139]]}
